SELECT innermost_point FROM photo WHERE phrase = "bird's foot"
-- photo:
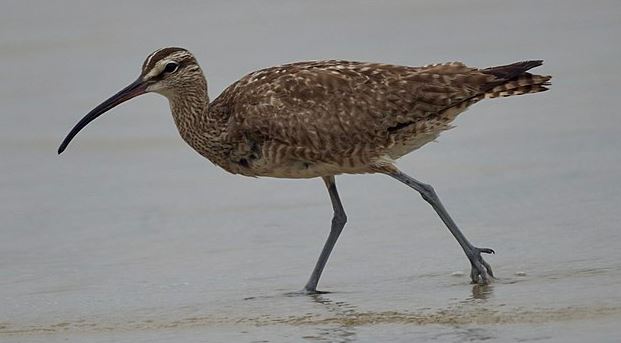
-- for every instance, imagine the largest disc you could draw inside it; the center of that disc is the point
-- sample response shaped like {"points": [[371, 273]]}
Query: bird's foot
{"points": [[306, 292], [481, 272], [313, 291]]}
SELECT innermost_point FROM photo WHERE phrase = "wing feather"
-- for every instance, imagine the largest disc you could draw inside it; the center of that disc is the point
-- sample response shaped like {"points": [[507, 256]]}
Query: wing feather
{"points": [[339, 105]]}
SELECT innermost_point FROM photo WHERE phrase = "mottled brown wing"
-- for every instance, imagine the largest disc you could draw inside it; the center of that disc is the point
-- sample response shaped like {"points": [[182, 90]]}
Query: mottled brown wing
{"points": [[340, 105]]}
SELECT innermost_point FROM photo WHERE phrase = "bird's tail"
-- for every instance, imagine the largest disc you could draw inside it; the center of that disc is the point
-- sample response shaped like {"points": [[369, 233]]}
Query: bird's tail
{"points": [[513, 79]]}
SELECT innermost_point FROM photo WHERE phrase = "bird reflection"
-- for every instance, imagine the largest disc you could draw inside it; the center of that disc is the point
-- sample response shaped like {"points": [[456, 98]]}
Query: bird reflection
{"points": [[336, 331], [481, 292]]}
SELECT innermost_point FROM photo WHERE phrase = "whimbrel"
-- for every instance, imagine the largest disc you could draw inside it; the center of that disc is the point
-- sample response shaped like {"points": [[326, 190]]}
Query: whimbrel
{"points": [[322, 119]]}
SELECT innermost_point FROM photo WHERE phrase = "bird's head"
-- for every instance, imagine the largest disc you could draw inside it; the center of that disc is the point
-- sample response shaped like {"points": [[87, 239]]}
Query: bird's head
{"points": [[167, 71], [170, 71]]}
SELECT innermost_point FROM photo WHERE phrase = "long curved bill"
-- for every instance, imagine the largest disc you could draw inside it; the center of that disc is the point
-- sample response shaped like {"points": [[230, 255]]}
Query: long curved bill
{"points": [[136, 88]]}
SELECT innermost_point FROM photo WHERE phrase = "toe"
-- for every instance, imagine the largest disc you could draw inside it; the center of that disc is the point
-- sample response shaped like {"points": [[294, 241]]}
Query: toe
{"points": [[481, 270], [487, 250], [488, 268], [474, 275]]}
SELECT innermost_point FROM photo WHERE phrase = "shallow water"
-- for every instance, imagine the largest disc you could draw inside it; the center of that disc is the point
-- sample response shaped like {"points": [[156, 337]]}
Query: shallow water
{"points": [[132, 237]]}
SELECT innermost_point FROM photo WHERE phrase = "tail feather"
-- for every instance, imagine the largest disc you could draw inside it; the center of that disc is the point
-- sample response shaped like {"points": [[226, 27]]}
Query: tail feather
{"points": [[512, 70], [513, 79]]}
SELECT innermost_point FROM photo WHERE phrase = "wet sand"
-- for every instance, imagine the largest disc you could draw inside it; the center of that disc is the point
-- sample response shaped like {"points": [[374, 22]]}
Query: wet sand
{"points": [[130, 236]]}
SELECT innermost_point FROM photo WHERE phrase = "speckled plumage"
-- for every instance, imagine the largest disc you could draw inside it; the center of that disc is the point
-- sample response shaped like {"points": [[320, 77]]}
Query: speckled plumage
{"points": [[322, 118]]}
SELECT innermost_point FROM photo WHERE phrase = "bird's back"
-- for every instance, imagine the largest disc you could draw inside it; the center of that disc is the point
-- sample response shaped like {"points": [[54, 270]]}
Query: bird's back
{"points": [[322, 118]]}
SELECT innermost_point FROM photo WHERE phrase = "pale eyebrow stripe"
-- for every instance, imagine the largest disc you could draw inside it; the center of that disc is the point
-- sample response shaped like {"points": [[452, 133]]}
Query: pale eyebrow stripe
{"points": [[151, 56]]}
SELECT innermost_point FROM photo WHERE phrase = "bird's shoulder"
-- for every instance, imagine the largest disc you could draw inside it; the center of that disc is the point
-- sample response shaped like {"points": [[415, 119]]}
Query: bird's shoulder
{"points": [[310, 80]]}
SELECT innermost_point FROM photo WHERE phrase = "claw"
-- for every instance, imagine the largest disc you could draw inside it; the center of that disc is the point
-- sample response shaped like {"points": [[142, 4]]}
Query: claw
{"points": [[481, 270]]}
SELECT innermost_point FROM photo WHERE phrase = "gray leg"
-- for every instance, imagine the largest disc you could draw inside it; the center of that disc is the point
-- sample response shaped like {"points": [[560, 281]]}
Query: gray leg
{"points": [[338, 222], [480, 268]]}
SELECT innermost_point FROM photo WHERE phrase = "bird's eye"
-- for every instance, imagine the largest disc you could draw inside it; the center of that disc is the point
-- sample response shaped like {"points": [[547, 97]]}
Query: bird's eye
{"points": [[171, 67]]}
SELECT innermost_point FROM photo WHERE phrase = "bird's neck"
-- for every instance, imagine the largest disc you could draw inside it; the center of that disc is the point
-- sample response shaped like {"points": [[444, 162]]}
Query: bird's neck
{"points": [[190, 110]]}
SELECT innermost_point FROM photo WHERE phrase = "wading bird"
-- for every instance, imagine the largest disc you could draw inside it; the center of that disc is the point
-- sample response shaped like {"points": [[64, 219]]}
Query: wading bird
{"points": [[322, 119]]}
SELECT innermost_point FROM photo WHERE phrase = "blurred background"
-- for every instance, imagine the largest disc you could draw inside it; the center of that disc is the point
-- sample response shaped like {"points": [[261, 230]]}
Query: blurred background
{"points": [[132, 236]]}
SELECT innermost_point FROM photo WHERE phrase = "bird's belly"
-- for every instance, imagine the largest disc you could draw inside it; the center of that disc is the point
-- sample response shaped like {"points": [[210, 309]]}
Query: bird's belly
{"points": [[304, 170], [296, 169]]}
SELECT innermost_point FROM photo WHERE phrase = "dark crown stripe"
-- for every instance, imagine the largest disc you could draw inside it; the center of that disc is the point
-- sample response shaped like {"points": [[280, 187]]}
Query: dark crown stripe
{"points": [[150, 62]]}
